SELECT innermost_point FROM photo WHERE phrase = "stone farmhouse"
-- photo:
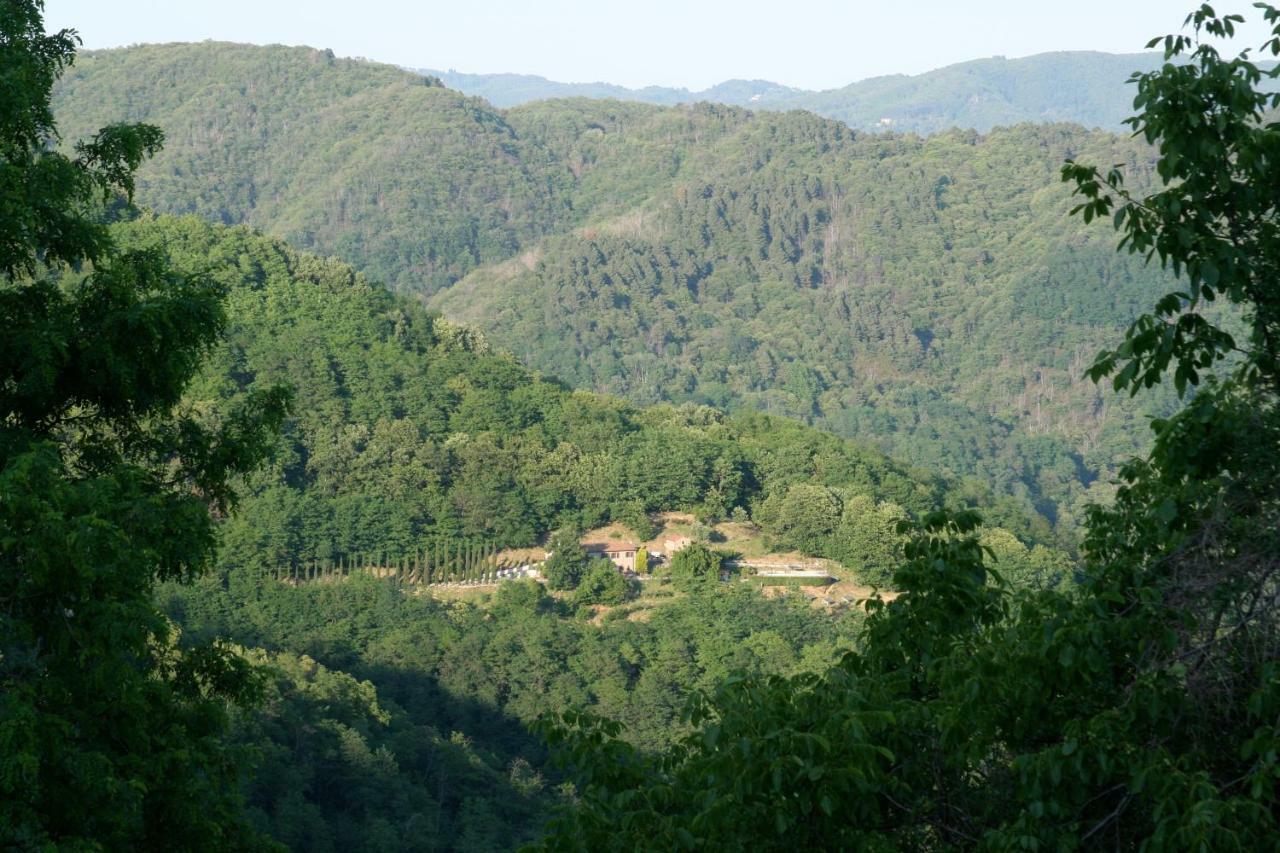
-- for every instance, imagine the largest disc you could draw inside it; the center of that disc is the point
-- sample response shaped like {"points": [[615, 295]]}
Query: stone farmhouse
{"points": [[621, 553]]}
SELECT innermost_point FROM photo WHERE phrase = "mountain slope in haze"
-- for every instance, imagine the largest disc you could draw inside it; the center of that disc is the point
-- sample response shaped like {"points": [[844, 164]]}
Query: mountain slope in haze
{"points": [[510, 90], [1085, 87], [928, 294]]}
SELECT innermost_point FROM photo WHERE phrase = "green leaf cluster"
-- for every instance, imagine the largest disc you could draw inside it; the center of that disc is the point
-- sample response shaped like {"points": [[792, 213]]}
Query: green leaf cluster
{"points": [[111, 734]]}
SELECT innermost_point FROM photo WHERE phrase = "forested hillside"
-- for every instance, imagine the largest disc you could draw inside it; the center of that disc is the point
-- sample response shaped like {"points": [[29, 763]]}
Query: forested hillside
{"points": [[413, 182], [1139, 710], [228, 466], [409, 428], [925, 294], [928, 293], [394, 721]]}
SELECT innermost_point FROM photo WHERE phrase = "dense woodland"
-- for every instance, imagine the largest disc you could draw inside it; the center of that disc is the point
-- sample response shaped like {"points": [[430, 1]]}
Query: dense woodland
{"points": [[408, 430], [397, 722], [929, 295], [1136, 711], [195, 417]]}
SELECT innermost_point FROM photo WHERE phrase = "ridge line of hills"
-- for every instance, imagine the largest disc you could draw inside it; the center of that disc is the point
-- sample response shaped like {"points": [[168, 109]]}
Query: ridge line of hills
{"points": [[1087, 87]]}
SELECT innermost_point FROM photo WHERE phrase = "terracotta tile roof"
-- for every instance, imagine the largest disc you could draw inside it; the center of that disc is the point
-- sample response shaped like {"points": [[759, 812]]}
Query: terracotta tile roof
{"points": [[611, 545]]}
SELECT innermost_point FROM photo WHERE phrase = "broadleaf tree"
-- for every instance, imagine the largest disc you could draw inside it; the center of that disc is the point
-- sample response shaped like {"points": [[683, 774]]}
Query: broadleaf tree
{"points": [[111, 733]]}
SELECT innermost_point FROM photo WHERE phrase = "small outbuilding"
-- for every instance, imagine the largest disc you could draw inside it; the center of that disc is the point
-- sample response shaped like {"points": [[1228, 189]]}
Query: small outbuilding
{"points": [[676, 543]]}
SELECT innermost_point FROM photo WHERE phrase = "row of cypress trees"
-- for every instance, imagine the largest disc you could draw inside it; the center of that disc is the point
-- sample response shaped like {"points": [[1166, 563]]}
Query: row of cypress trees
{"points": [[441, 561]]}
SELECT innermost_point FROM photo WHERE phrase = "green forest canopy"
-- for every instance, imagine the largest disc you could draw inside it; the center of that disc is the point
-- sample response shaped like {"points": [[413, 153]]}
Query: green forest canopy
{"points": [[394, 721], [1137, 711], [408, 428], [1048, 715], [925, 294]]}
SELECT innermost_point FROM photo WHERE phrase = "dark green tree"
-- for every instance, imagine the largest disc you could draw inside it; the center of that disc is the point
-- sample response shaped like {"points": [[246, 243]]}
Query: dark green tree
{"points": [[520, 598], [602, 583], [695, 567], [110, 735], [567, 561], [803, 517]]}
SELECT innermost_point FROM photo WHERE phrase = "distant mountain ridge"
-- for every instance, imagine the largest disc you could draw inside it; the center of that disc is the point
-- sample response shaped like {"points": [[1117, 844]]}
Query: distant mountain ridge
{"points": [[510, 90], [1085, 87]]}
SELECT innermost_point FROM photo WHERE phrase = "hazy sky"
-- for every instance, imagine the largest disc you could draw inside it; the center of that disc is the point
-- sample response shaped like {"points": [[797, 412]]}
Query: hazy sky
{"points": [[807, 43]]}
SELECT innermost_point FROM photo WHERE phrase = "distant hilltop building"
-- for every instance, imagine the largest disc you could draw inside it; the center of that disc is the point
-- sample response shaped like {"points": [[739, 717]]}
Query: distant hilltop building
{"points": [[621, 554], [885, 122]]}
